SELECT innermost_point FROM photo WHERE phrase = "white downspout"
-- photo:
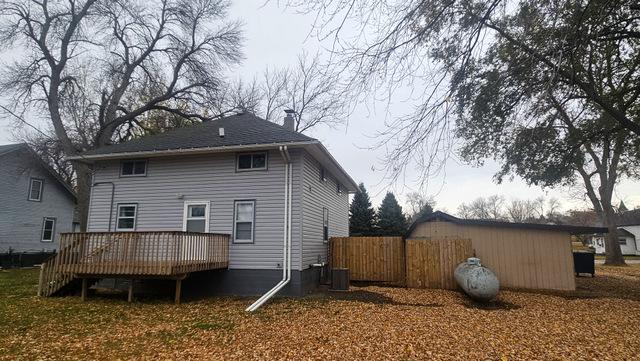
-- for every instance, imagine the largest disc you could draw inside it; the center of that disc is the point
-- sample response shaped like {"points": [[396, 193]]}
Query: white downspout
{"points": [[286, 251]]}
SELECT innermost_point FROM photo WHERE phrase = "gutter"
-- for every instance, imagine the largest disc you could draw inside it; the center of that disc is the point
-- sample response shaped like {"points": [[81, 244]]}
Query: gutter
{"points": [[286, 248], [182, 151]]}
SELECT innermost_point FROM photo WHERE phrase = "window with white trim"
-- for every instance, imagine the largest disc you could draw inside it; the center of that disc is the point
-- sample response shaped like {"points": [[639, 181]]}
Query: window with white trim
{"points": [[48, 229], [622, 241], [133, 168], [325, 224], [244, 221], [126, 220], [196, 217], [35, 189], [252, 161]]}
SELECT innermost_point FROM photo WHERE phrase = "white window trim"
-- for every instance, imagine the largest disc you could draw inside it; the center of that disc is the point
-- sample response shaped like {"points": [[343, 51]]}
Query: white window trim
{"points": [[31, 180], [253, 221], [185, 214], [146, 164], [53, 229], [266, 162], [135, 217]]}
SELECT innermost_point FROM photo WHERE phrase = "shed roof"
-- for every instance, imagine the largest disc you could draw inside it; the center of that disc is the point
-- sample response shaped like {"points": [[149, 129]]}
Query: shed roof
{"points": [[441, 216]]}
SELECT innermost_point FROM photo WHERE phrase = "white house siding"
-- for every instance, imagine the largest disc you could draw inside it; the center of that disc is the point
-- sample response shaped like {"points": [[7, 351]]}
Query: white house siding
{"points": [[171, 181], [630, 248], [21, 220], [316, 195]]}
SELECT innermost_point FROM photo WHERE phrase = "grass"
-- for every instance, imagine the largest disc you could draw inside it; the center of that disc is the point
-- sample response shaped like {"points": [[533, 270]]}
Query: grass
{"points": [[599, 320]]}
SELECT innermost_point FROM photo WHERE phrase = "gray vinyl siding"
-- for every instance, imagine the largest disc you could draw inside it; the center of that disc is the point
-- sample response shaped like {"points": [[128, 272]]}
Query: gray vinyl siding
{"points": [[21, 220], [317, 195], [170, 181]]}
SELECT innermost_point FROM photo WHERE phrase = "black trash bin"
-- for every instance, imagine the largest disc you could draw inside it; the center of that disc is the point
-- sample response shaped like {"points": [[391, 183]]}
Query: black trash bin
{"points": [[584, 262]]}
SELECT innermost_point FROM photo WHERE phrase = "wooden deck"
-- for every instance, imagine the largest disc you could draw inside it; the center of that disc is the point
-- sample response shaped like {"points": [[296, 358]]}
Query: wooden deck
{"points": [[171, 255]]}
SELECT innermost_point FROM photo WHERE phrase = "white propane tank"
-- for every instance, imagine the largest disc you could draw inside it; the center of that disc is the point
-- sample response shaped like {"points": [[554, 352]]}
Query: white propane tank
{"points": [[476, 280]]}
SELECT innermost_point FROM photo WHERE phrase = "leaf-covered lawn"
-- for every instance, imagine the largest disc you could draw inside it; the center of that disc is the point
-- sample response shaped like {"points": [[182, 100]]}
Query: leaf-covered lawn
{"points": [[599, 321]]}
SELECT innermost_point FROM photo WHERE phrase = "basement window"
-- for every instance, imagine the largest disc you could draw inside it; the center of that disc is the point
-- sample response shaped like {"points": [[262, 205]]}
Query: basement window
{"points": [[244, 221], [251, 161], [133, 168], [126, 220], [48, 229]]}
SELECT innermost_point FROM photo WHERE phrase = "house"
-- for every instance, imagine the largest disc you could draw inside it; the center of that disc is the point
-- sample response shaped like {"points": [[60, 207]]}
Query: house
{"points": [[522, 255], [37, 204], [628, 223], [255, 182]]}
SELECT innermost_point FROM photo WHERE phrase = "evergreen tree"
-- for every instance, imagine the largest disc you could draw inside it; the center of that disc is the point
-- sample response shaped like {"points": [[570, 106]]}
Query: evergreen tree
{"points": [[391, 219], [361, 213]]}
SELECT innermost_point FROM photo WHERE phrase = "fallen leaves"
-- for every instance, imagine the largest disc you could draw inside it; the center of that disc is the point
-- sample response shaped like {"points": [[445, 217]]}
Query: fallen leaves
{"points": [[598, 321]]}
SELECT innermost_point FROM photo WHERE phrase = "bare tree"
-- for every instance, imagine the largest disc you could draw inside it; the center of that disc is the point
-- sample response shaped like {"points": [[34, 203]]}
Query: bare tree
{"points": [[519, 210], [483, 208], [98, 66], [419, 204]]}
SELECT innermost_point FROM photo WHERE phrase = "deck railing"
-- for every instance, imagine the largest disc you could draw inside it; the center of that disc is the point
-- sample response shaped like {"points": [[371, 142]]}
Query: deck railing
{"points": [[133, 254]]}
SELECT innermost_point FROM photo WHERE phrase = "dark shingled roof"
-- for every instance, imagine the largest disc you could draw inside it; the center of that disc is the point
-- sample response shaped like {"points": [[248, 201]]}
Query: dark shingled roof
{"points": [[441, 216], [629, 218], [4, 149], [241, 129]]}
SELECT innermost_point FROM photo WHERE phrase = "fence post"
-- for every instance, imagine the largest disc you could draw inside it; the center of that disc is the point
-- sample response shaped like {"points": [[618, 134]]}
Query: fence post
{"points": [[40, 279]]}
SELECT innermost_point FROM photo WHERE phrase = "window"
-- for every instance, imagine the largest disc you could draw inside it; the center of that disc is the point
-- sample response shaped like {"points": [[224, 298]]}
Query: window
{"points": [[196, 217], [35, 189], [132, 168], [622, 241], [126, 217], [323, 175], [325, 224], [252, 161], [244, 219], [48, 229]]}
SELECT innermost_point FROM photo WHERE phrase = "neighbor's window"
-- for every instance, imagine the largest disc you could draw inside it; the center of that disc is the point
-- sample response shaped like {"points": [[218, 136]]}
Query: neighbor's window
{"points": [[196, 217], [244, 220], [622, 241], [325, 224], [35, 189], [129, 168], [48, 229], [126, 217], [252, 161]]}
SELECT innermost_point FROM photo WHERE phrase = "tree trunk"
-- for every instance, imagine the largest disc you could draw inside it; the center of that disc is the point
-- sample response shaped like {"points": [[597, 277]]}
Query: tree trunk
{"points": [[83, 189], [613, 254]]}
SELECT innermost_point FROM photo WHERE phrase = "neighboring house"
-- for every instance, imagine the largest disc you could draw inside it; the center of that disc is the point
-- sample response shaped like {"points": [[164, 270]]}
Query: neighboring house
{"points": [[628, 223], [228, 176], [37, 205], [522, 255]]}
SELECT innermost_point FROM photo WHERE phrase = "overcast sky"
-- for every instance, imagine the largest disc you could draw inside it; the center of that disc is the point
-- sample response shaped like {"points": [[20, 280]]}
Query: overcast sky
{"points": [[276, 36]]}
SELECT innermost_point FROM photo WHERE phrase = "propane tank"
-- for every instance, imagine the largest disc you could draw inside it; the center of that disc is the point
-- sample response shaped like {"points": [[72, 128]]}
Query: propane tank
{"points": [[476, 280]]}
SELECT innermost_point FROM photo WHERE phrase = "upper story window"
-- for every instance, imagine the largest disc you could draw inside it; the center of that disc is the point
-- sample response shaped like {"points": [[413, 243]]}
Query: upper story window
{"points": [[35, 189], [244, 221], [323, 175], [48, 229], [131, 168], [252, 161], [126, 220]]}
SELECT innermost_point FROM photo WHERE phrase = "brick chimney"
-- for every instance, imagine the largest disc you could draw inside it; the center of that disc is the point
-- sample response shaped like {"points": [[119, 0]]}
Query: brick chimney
{"points": [[289, 121]]}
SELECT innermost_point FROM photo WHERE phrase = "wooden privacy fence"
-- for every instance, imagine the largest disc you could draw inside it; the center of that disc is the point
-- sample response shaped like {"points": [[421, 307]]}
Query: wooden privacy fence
{"points": [[431, 262], [369, 258], [417, 263]]}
